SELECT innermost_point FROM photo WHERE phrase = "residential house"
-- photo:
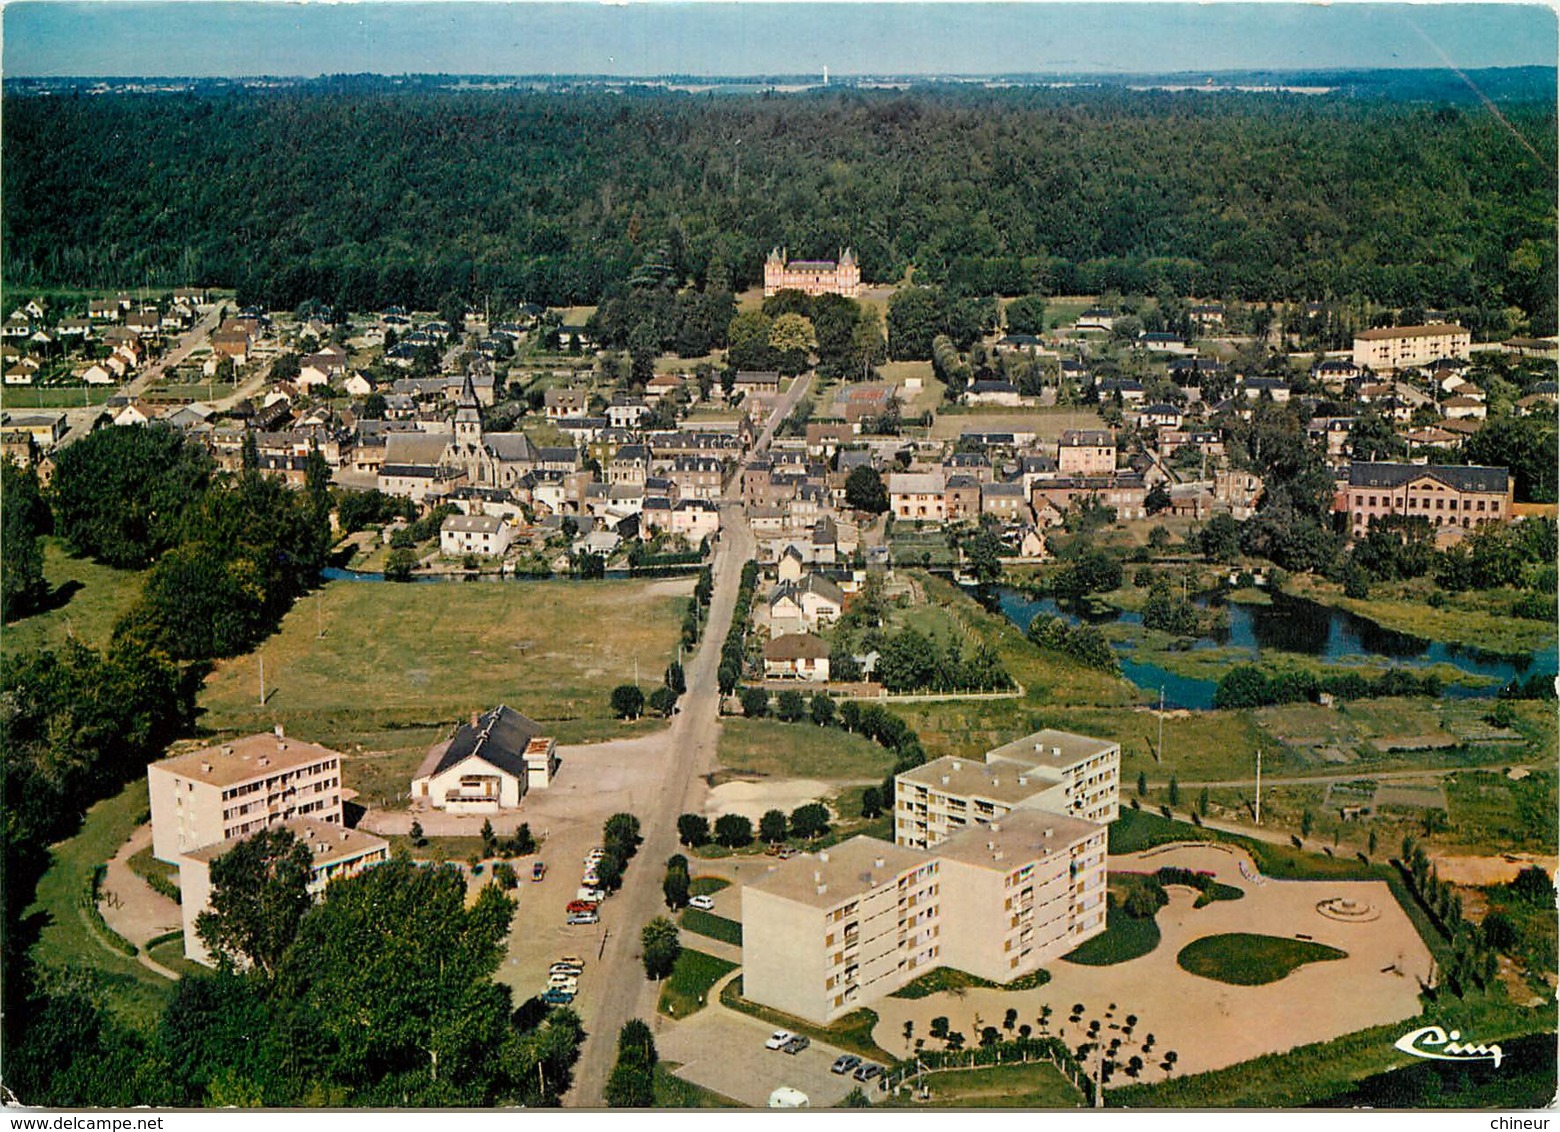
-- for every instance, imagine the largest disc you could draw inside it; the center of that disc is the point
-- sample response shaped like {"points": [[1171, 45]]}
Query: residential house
{"points": [[1453, 499], [1086, 452], [559, 402], [810, 602], [1007, 501], [757, 382], [797, 656], [918, 496], [474, 534]]}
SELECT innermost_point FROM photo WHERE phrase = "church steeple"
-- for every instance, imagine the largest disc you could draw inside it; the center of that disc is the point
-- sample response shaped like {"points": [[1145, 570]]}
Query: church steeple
{"points": [[468, 418]]}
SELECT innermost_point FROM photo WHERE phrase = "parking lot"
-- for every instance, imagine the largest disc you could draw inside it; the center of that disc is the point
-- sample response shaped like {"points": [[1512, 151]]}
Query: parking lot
{"points": [[724, 1051]]}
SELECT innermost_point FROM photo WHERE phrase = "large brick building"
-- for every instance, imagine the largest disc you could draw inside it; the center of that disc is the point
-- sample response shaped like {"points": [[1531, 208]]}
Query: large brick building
{"points": [[812, 276], [1453, 498]]}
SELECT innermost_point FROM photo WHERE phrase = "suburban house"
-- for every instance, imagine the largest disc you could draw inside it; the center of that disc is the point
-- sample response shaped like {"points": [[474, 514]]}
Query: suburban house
{"points": [[487, 766], [757, 381], [335, 852], [797, 656], [809, 602], [474, 534], [1453, 499], [560, 402], [238, 788], [917, 495]]}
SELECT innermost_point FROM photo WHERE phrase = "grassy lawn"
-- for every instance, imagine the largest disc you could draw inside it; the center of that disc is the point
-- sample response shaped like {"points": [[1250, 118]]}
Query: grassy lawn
{"points": [[952, 979], [690, 982], [1036, 1085], [1248, 960], [87, 601], [65, 939], [398, 665], [716, 927], [799, 750], [1136, 830], [1125, 937], [19, 400], [1491, 812], [170, 953], [852, 1032], [671, 1091], [1479, 620], [707, 886], [1313, 1073], [1046, 424]]}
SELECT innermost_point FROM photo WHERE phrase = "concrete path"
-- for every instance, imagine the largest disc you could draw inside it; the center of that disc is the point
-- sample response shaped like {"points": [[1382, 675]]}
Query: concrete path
{"points": [[129, 905]]}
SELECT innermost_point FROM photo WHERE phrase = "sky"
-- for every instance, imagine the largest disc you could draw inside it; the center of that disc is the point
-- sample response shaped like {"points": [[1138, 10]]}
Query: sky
{"points": [[236, 38]]}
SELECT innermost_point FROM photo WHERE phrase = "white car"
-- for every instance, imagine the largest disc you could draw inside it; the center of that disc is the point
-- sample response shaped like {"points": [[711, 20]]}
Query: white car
{"points": [[594, 894], [566, 983], [778, 1039], [703, 903], [593, 856]]}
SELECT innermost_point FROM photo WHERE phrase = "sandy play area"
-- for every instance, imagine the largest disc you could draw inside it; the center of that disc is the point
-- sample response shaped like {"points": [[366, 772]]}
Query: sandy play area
{"points": [[1211, 1024]]}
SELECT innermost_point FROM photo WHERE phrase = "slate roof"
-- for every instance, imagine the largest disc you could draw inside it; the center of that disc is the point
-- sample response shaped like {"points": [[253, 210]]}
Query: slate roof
{"points": [[500, 737], [1456, 476]]}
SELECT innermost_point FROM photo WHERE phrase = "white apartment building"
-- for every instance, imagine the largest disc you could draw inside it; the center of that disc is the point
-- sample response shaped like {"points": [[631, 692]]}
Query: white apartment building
{"points": [[238, 788], [1390, 348], [824, 934], [1055, 771], [337, 852]]}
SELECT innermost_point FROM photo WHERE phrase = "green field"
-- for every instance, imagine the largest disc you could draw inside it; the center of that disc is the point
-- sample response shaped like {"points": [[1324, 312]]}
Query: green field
{"points": [[399, 664], [685, 991], [66, 939], [799, 750], [952, 979], [1036, 1085], [707, 886], [88, 600], [1478, 619], [19, 399], [716, 927], [671, 1091], [1125, 937], [1248, 960]]}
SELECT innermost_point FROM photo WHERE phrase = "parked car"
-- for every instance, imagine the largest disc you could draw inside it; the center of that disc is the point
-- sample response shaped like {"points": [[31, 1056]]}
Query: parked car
{"points": [[572, 961], [581, 906], [703, 903], [591, 878], [587, 893], [787, 853], [565, 969], [538, 871], [844, 1063], [778, 1039], [556, 997], [796, 1045], [593, 856], [867, 1072], [577, 918], [560, 981]]}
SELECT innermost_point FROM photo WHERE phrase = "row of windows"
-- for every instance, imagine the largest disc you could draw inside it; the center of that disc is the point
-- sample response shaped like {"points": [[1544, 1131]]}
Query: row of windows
{"points": [[1413, 503]]}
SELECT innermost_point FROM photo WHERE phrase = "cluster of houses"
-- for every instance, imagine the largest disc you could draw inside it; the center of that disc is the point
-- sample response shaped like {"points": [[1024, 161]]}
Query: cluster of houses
{"points": [[112, 341]]}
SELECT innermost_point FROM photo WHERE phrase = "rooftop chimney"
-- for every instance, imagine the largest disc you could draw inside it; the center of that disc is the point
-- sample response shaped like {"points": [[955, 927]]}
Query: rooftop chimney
{"points": [[824, 856], [957, 765], [817, 877], [205, 768], [280, 734], [1056, 752], [227, 750], [878, 862], [822, 888], [945, 780], [263, 761]]}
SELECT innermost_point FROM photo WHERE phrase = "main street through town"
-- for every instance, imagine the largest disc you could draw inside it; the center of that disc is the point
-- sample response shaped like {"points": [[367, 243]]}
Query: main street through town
{"points": [[689, 748]]}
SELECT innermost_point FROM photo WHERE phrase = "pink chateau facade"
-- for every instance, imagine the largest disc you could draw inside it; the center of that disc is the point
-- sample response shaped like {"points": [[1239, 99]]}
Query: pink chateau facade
{"points": [[812, 276]]}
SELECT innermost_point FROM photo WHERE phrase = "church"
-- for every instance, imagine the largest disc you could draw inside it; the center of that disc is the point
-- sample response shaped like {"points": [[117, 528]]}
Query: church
{"points": [[420, 464]]}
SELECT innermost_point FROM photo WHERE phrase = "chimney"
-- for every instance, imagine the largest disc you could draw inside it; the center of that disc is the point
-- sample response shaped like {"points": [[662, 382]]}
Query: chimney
{"points": [[945, 780], [957, 765], [878, 862], [995, 828], [205, 768], [263, 761], [822, 888], [227, 751], [280, 734], [817, 877], [1056, 752], [824, 856], [1022, 781]]}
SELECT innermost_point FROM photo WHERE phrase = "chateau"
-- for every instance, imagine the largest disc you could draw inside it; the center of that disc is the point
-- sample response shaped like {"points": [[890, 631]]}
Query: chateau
{"points": [[812, 276]]}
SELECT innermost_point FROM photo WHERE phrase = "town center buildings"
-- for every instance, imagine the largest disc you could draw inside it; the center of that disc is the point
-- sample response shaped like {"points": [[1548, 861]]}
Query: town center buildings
{"points": [[997, 868]]}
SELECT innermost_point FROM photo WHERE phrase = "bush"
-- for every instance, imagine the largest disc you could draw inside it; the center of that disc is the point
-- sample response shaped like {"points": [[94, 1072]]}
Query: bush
{"points": [[733, 831], [755, 702], [693, 830], [628, 702]]}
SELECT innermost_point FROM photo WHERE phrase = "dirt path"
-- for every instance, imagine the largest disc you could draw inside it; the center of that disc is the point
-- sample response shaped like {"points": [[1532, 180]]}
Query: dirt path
{"points": [[128, 903]]}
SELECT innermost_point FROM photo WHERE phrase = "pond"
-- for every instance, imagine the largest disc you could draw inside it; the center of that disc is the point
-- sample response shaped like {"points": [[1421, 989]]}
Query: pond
{"points": [[1292, 625]]}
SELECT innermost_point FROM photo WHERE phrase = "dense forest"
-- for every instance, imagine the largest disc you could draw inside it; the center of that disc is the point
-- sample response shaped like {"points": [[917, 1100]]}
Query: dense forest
{"points": [[371, 197]]}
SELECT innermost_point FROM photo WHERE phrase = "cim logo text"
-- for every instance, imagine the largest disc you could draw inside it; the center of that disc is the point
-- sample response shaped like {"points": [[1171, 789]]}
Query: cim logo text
{"points": [[1436, 1044]]}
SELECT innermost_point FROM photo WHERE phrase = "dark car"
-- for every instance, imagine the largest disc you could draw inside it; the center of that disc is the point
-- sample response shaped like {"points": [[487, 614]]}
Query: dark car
{"points": [[538, 871], [844, 1063], [796, 1045], [556, 997], [867, 1072]]}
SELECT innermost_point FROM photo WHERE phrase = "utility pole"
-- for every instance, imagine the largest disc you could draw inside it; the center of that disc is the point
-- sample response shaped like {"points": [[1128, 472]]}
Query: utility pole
{"points": [[319, 614], [1160, 757], [262, 679], [1259, 786]]}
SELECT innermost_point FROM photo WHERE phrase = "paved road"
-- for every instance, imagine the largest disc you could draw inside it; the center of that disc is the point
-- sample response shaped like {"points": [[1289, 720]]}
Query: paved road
{"points": [[79, 420], [691, 742]]}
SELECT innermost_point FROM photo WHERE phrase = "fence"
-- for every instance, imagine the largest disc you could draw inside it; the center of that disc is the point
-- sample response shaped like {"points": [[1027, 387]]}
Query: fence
{"points": [[1016, 1052]]}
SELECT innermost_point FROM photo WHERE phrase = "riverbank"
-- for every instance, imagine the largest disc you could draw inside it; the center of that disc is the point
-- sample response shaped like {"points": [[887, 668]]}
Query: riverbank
{"points": [[1473, 621]]}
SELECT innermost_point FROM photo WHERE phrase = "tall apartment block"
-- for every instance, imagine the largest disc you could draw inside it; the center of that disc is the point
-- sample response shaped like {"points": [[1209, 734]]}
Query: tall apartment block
{"points": [[1054, 771], [998, 867], [238, 788]]}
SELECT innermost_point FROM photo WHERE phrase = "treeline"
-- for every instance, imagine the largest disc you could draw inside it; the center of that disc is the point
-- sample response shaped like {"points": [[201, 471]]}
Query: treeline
{"points": [[1246, 686], [406, 1015], [405, 197], [912, 661]]}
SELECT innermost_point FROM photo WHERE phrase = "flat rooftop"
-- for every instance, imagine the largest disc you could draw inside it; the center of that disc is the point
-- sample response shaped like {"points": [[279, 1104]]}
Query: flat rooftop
{"points": [[968, 778], [1017, 839], [253, 756], [845, 870], [1057, 750], [328, 843]]}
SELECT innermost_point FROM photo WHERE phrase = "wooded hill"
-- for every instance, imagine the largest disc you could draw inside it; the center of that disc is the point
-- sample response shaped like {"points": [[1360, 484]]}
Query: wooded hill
{"points": [[371, 197]]}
